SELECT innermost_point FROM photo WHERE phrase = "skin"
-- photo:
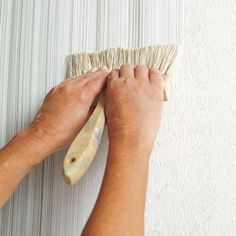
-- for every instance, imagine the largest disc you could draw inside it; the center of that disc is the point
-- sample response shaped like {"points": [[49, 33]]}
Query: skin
{"points": [[134, 99], [133, 108], [65, 110]]}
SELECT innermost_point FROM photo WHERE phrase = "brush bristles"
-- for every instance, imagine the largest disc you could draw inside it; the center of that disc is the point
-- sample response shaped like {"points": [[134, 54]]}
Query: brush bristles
{"points": [[161, 57]]}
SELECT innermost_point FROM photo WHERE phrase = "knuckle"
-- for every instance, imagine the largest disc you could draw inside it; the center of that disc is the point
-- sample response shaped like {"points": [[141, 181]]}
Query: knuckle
{"points": [[128, 82], [64, 88], [54, 89], [112, 86]]}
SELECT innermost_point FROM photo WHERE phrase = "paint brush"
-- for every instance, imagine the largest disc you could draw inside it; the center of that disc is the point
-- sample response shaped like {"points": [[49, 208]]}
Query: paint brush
{"points": [[84, 147]]}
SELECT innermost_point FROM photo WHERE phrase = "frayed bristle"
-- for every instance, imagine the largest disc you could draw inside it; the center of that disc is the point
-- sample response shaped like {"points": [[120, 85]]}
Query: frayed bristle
{"points": [[161, 57]]}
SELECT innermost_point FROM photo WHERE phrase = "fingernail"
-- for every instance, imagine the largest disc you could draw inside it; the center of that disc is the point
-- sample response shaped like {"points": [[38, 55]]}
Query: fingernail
{"points": [[104, 68], [156, 70], [93, 69], [153, 69]]}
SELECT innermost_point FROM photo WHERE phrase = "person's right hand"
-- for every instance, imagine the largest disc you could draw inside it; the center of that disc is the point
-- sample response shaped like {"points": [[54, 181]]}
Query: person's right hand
{"points": [[134, 102], [65, 110]]}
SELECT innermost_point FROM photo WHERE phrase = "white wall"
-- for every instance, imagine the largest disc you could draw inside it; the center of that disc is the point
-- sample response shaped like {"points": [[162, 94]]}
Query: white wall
{"points": [[192, 182]]}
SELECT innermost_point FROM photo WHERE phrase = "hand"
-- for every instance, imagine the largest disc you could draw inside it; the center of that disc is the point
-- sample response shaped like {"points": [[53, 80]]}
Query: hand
{"points": [[134, 104], [66, 108], [134, 101], [63, 113]]}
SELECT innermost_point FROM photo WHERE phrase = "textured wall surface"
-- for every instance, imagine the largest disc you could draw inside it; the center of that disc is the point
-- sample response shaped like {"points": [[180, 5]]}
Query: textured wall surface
{"points": [[192, 182]]}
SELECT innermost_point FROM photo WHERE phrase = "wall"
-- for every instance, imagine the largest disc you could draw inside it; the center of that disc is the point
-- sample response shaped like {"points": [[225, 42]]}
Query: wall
{"points": [[193, 167]]}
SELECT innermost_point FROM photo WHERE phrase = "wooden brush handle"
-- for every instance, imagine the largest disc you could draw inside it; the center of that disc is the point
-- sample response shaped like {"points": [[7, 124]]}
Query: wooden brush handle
{"points": [[84, 147]]}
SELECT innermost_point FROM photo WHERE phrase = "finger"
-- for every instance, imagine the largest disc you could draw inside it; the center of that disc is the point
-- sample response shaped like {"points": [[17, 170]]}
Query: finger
{"points": [[114, 75], [127, 71], [71, 79], [141, 72], [94, 69], [96, 84], [80, 76], [101, 70], [101, 73], [83, 79], [92, 74], [75, 78], [155, 77]]}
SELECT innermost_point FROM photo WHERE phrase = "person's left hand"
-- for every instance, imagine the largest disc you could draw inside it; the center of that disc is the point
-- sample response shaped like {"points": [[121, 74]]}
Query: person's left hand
{"points": [[66, 108]]}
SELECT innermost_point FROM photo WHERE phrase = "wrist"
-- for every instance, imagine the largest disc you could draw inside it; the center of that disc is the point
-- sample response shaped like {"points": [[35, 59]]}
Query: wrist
{"points": [[136, 148], [136, 140], [27, 148]]}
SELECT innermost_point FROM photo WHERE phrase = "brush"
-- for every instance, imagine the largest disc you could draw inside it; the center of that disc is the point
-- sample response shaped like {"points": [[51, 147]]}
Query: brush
{"points": [[84, 147]]}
